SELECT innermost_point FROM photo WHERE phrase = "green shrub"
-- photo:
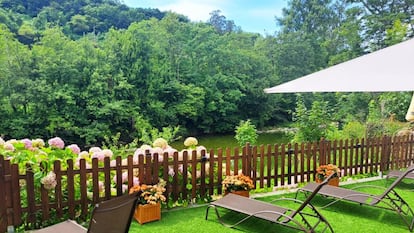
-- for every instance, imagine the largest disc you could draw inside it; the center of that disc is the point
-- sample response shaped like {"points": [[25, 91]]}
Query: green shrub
{"points": [[246, 133]]}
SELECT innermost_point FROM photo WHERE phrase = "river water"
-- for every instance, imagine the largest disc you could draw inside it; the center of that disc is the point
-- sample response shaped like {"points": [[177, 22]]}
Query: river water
{"points": [[228, 140]]}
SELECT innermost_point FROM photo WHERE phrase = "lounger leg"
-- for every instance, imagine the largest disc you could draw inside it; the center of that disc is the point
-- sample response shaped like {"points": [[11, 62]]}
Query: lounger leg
{"points": [[208, 207], [217, 213]]}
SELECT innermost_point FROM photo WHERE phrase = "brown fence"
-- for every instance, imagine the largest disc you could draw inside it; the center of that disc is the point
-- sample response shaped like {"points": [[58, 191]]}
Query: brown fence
{"points": [[190, 176]]}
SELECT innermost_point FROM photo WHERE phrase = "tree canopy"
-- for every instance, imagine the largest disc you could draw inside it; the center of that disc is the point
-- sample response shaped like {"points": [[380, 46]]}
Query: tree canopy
{"points": [[87, 69]]}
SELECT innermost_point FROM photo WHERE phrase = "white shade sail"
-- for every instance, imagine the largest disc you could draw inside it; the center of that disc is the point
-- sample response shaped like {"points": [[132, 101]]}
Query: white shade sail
{"points": [[387, 70]]}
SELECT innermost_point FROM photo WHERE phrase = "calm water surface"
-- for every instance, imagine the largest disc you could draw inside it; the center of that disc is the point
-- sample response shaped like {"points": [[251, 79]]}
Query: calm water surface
{"points": [[228, 141]]}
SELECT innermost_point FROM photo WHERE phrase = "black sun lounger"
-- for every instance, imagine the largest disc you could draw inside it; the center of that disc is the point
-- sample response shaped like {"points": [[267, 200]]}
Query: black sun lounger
{"points": [[306, 221], [389, 199]]}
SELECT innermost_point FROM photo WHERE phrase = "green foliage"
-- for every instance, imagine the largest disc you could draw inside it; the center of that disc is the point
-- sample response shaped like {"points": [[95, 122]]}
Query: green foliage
{"points": [[351, 130], [246, 133], [313, 124], [119, 148], [148, 133], [395, 105], [397, 33]]}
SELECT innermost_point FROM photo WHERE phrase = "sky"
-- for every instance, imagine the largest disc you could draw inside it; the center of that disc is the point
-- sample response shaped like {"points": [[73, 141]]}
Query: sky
{"points": [[251, 15]]}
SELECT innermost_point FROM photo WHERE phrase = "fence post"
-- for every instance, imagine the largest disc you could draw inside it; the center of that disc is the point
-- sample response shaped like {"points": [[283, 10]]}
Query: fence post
{"points": [[247, 160], [322, 152], [385, 153], [3, 207]]}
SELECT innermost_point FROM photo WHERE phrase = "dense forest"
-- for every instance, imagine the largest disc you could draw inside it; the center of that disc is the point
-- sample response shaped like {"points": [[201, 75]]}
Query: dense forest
{"points": [[88, 69]]}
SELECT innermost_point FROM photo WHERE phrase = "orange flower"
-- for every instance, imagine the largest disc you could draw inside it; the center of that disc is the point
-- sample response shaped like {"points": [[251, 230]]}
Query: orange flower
{"points": [[237, 182], [150, 194], [135, 188], [324, 171]]}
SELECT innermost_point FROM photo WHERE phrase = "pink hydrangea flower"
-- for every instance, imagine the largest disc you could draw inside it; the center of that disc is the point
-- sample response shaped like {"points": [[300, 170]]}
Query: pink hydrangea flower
{"points": [[74, 148], [180, 168], [135, 159], [1, 141], [139, 151], [124, 177], [136, 181], [170, 151], [171, 171], [94, 149], [107, 153], [38, 143], [27, 143], [200, 148], [49, 181], [99, 155], [56, 142], [124, 188], [8, 146], [83, 155], [160, 142]]}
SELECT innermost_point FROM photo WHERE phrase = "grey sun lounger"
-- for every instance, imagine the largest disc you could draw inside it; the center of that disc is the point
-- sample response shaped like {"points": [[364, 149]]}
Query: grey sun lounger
{"points": [[305, 218], [397, 173], [388, 199], [113, 216]]}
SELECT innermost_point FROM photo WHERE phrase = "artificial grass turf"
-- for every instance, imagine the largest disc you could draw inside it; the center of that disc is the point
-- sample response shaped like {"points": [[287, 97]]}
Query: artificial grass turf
{"points": [[343, 216]]}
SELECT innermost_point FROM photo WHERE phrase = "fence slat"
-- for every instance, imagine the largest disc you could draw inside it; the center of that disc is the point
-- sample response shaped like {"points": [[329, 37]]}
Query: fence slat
{"points": [[15, 190], [282, 165], [107, 178], [83, 189], [211, 165], [262, 166], [184, 172], [95, 180], [276, 165], [3, 206], [219, 170], [194, 175], [58, 189], [71, 189]]}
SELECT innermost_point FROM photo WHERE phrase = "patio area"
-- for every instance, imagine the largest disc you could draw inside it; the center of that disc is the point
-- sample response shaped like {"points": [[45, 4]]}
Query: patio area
{"points": [[343, 216]]}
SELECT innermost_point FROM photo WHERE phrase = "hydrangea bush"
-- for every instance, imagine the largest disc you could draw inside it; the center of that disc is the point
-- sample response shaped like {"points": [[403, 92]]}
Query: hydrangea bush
{"points": [[40, 157]]}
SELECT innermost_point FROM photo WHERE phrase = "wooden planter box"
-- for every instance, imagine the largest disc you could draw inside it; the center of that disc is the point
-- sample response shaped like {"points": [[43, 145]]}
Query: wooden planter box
{"points": [[334, 181], [244, 193], [147, 213]]}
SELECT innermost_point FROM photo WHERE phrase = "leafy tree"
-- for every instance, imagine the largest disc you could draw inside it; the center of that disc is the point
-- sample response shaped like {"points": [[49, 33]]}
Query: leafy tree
{"points": [[396, 34], [379, 16], [313, 124], [221, 24], [246, 133]]}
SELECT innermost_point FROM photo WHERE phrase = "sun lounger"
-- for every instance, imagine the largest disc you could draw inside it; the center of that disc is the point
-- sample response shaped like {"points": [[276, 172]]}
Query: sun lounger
{"points": [[113, 216], [305, 218], [388, 199], [397, 173]]}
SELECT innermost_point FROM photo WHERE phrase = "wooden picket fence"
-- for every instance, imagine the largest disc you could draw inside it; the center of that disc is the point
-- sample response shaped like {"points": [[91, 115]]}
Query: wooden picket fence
{"points": [[26, 204]]}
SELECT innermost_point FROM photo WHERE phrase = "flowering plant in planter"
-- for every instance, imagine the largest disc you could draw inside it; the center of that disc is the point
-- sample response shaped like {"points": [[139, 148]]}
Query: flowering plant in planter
{"points": [[150, 194], [324, 171], [237, 183]]}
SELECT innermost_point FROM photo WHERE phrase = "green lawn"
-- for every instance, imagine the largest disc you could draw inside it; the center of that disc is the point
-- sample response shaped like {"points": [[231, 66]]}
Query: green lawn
{"points": [[343, 216]]}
